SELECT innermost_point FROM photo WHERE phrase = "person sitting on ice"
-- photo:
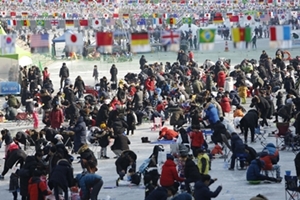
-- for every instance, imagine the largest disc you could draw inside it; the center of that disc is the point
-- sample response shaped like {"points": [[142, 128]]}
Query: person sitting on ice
{"points": [[167, 134]]}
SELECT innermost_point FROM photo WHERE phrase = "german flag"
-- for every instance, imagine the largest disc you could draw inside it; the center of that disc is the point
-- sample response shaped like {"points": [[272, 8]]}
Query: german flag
{"points": [[125, 16], [69, 23], [139, 39]]}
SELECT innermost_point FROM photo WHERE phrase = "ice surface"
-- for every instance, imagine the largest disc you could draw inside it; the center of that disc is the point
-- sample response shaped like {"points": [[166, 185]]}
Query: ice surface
{"points": [[234, 183]]}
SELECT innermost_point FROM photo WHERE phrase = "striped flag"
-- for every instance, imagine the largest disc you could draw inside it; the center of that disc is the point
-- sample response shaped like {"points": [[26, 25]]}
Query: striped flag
{"points": [[39, 40]]}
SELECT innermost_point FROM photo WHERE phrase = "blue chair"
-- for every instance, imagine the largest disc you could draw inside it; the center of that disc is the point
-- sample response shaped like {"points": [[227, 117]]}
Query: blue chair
{"points": [[241, 158]]}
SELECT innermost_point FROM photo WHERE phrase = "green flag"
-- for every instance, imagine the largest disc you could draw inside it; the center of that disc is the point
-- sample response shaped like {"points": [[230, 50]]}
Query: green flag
{"points": [[41, 66], [40, 23], [187, 20], [45, 14], [207, 35]]}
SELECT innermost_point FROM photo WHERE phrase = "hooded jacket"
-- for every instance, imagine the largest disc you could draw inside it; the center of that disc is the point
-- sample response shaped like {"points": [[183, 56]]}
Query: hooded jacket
{"points": [[237, 145], [250, 118], [253, 171], [62, 175], [202, 191], [37, 189], [169, 174], [212, 114]]}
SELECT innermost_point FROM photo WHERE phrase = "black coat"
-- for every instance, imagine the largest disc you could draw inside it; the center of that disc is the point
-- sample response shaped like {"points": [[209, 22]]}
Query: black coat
{"points": [[69, 94], [160, 193], [218, 129], [62, 175], [191, 171], [121, 142], [113, 73], [202, 191], [119, 126], [143, 61], [130, 121], [237, 145], [15, 156], [87, 154], [80, 134], [123, 162], [102, 115], [64, 72], [250, 119], [79, 85]]}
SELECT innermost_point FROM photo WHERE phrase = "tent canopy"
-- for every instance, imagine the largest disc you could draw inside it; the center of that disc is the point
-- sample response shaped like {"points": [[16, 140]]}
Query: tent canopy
{"points": [[62, 38]]}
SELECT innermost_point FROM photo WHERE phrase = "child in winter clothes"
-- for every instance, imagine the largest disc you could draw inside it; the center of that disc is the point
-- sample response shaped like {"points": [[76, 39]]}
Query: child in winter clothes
{"points": [[225, 103], [103, 139], [243, 93], [238, 114], [197, 140], [14, 184], [217, 150], [37, 187]]}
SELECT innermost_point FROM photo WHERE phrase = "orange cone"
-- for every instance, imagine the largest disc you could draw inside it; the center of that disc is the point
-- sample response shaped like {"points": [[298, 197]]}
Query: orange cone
{"points": [[226, 47]]}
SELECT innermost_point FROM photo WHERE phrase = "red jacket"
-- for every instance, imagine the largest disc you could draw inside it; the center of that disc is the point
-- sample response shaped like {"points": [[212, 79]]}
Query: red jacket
{"points": [[132, 91], [268, 160], [225, 104], [169, 174], [150, 84], [197, 139], [221, 79], [168, 134], [160, 107], [191, 56], [37, 189], [46, 74], [56, 118]]}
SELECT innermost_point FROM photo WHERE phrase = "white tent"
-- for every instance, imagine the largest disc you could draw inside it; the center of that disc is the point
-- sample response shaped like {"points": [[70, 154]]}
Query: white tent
{"points": [[185, 27]]}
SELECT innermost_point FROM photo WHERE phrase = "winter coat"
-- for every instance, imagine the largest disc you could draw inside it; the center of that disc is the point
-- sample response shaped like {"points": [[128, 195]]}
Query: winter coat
{"points": [[221, 79], [262, 106], [121, 142], [169, 174], [46, 101], [209, 82], [119, 126], [235, 98], [86, 182], [138, 99], [87, 154], [113, 73], [13, 182], [62, 175], [37, 189], [289, 84], [254, 169], [197, 87], [13, 102], [160, 193], [131, 119], [191, 171], [225, 104], [243, 91], [202, 191], [168, 134], [79, 85], [197, 139], [56, 118], [250, 119], [218, 128], [212, 114], [237, 145], [150, 84], [102, 115], [270, 156], [64, 72], [177, 117], [14, 156], [69, 94], [123, 161], [80, 134]]}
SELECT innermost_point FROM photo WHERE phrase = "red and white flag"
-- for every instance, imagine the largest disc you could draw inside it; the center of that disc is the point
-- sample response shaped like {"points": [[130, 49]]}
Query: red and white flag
{"points": [[74, 42], [96, 23]]}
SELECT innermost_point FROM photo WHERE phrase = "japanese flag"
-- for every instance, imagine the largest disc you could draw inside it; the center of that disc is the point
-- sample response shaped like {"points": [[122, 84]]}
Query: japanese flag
{"points": [[74, 42], [249, 18], [105, 16], [96, 23], [3, 13]]}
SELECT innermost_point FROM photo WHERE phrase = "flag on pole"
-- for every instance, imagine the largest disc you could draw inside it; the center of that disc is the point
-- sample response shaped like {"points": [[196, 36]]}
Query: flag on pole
{"points": [[207, 35], [74, 42], [140, 42], [104, 40], [8, 43], [39, 43], [171, 39], [241, 34], [69, 23], [157, 21], [84, 22]]}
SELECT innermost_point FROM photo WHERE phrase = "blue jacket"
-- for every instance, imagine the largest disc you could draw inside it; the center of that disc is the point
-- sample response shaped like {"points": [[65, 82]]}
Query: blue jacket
{"points": [[80, 134], [237, 145], [235, 99], [212, 114], [253, 171], [183, 196], [202, 191], [86, 182], [159, 193], [270, 148]]}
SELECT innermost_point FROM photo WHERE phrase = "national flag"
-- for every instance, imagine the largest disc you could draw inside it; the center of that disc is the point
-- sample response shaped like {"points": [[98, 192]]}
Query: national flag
{"points": [[140, 42], [279, 33], [157, 21], [13, 14], [165, 15], [234, 18], [187, 20], [207, 15], [125, 16], [3, 13], [229, 15], [11, 23], [104, 40], [141, 22], [207, 35], [8, 44], [110, 22], [96, 23], [39, 40], [24, 14], [115, 15], [69, 23], [170, 37], [55, 14], [54, 23], [74, 42], [25, 23], [35, 14], [249, 18], [241, 34], [45, 14], [155, 15], [171, 21], [67, 15], [105, 16], [218, 19], [83, 22], [265, 17], [40, 23]]}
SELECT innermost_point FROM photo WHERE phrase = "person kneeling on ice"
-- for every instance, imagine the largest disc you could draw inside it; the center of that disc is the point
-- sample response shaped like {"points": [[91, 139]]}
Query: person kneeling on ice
{"points": [[202, 191], [133, 178], [127, 159], [167, 134], [254, 169]]}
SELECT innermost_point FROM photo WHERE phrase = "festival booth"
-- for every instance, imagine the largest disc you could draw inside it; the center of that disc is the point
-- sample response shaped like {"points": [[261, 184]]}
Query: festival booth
{"points": [[9, 69]]}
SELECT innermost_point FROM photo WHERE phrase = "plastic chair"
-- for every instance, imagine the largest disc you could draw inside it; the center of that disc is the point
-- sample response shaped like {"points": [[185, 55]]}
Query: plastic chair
{"points": [[283, 129], [291, 188], [157, 123]]}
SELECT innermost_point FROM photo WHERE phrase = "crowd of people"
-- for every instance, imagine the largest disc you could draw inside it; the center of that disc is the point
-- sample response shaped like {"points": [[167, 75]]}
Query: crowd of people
{"points": [[183, 93]]}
